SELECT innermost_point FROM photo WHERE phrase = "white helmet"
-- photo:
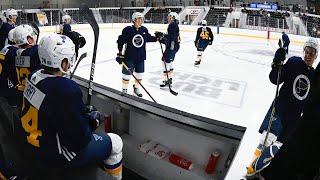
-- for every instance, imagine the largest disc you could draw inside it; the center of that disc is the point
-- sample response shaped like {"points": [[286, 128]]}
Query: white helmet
{"points": [[11, 12], [313, 43], [204, 22], [65, 18], [10, 35], [54, 48], [137, 15], [174, 15], [22, 32]]}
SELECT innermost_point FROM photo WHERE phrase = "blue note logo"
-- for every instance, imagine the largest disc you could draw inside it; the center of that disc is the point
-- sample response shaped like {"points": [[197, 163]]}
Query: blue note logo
{"points": [[137, 41], [301, 87]]}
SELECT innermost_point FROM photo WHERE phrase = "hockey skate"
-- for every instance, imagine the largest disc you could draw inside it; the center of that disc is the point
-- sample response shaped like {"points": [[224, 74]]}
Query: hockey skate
{"points": [[264, 159], [257, 154], [136, 91], [166, 83], [197, 63]]}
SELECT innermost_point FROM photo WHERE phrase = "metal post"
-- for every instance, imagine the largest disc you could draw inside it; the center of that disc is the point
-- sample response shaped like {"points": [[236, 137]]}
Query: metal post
{"points": [[51, 18], [218, 25]]}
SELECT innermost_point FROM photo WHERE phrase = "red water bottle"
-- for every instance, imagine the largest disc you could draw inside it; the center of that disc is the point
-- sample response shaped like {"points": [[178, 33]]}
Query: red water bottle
{"points": [[107, 123], [212, 163], [181, 162]]}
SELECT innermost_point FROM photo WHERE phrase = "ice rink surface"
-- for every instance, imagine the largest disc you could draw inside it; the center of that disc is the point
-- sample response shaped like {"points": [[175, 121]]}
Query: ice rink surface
{"points": [[231, 84]]}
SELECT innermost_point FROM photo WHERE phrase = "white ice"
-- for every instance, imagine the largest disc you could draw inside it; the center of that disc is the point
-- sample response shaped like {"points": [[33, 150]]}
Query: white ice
{"points": [[231, 84]]}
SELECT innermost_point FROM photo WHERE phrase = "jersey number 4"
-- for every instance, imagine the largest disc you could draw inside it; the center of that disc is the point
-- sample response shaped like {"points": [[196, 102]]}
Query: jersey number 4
{"points": [[30, 125]]}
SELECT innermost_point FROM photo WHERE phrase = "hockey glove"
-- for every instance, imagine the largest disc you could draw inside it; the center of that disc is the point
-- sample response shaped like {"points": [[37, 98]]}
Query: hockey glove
{"points": [[279, 57], [120, 58], [159, 35], [196, 44], [96, 118]]}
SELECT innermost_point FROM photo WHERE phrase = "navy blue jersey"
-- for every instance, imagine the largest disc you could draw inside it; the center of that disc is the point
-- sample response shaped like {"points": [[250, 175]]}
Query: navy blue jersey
{"points": [[27, 61], [296, 77], [4, 31], [135, 40], [173, 36], [8, 78], [204, 34], [66, 29], [286, 40], [53, 118]]}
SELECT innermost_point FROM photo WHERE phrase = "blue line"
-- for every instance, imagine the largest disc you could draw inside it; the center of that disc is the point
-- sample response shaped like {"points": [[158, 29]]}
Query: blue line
{"points": [[243, 93]]}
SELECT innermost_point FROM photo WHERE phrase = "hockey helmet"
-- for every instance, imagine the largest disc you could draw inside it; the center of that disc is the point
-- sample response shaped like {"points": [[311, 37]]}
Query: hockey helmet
{"points": [[203, 22], [313, 43], [174, 15], [65, 18], [54, 48], [22, 32], [137, 15], [10, 13], [10, 35]]}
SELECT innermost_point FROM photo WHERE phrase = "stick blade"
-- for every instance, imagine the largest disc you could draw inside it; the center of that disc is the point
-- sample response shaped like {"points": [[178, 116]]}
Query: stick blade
{"points": [[173, 92]]}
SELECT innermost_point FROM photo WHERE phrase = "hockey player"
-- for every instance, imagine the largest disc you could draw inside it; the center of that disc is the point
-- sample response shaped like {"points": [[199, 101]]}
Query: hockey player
{"points": [[65, 28], [203, 39], [298, 158], [78, 40], [172, 42], [135, 38], [62, 136], [296, 76], [7, 70], [11, 16], [27, 59], [286, 41]]}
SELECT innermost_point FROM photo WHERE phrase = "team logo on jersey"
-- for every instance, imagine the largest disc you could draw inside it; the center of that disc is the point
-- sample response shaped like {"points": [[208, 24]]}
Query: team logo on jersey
{"points": [[301, 87], [137, 41]]}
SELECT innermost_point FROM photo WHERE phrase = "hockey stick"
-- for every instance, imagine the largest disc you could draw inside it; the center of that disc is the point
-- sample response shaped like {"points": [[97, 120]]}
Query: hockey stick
{"points": [[165, 66], [94, 25], [129, 70], [36, 27], [84, 55], [273, 103]]}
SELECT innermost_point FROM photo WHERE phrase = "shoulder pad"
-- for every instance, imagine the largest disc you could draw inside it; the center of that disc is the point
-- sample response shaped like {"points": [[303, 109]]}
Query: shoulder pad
{"points": [[5, 50]]}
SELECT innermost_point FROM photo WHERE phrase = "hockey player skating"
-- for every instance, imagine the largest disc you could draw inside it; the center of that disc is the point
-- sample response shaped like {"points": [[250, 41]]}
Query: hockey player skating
{"points": [[298, 158], [172, 42], [5, 27], [62, 136], [135, 38], [296, 76], [285, 41], [203, 39]]}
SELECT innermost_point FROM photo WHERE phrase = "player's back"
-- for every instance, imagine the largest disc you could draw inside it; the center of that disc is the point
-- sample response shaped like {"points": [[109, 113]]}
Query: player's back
{"points": [[27, 61], [57, 111], [7, 69]]}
